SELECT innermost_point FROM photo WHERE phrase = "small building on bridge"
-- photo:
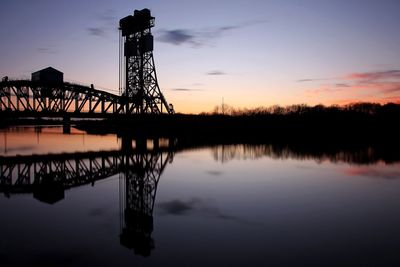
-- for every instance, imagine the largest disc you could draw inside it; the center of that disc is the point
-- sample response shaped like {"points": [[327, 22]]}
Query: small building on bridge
{"points": [[48, 75]]}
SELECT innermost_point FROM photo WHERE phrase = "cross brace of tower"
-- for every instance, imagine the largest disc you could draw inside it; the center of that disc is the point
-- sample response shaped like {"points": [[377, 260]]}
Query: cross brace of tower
{"points": [[138, 78]]}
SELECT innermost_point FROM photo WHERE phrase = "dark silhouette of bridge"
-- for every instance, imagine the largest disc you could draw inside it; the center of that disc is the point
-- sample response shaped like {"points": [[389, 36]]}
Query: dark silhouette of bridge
{"points": [[48, 176], [26, 98], [47, 95]]}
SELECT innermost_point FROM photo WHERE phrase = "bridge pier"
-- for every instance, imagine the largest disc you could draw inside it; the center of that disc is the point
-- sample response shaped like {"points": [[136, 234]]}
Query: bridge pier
{"points": [[141, 144], [172, 143], [66, 125], [126, 144], [156, 144]]}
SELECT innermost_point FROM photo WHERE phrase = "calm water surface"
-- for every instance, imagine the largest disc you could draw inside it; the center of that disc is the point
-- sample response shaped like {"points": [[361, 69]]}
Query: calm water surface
{"points": [[222, 205]]}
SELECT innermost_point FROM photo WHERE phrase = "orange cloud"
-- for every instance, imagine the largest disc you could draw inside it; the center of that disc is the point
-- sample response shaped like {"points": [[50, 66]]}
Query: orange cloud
{"points": [[379, 87], [373, 76], [383, 100]]}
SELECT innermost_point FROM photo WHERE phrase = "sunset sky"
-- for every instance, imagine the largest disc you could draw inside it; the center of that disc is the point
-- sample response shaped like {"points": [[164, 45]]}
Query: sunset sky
{"points": [[249, 53]]}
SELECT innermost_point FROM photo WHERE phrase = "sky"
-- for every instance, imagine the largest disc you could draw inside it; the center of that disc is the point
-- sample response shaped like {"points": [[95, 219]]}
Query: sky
{"points": [[244, 53]]}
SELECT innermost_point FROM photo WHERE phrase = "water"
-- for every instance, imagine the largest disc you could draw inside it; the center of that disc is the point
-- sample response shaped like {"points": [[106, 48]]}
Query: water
{"points": [[222, 205]]}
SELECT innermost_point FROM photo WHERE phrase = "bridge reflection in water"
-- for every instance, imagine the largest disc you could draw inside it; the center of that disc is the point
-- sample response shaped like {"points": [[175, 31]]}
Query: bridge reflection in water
{"points": [[140, 167], [47, 177]]}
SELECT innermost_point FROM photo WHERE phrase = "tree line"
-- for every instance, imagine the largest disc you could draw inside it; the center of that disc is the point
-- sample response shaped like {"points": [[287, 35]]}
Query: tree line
{"points": [[302, 109]]}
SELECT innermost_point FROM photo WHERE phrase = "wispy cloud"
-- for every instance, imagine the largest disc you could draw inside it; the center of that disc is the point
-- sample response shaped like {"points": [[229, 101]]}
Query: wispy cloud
{"points": [[198, 38], [216, 72], [342, 85], [106, 22], [197, 84], [393, 88], [374, 76], [381, 100], [177, 37], [108, 16], [377, 86], [46, 50], [185, 89], [218, 31], [312, 80], [305, 80], [324, 89], [97, 31]]}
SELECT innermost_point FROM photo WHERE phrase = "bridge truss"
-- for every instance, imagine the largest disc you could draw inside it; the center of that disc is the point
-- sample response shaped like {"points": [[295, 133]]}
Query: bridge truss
{"points": [[29, 98]]}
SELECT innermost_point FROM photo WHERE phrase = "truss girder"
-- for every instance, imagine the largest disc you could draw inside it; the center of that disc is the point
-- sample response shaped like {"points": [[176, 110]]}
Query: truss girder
{"points": [[66, 98]]}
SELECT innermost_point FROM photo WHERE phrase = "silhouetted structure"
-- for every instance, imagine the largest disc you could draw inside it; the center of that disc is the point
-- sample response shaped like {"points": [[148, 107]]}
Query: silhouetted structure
{"points": [[48, 75], [46, 95], [24, 98], [137, 69]]}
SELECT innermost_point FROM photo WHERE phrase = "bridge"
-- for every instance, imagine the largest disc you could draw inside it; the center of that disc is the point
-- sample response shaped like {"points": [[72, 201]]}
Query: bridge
{"points": [[26, 98], [47, 95], [48, 176]]}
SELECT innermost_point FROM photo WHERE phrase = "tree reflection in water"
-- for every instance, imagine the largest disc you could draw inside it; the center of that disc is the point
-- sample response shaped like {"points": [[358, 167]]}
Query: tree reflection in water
{"points": [[357, 155]]}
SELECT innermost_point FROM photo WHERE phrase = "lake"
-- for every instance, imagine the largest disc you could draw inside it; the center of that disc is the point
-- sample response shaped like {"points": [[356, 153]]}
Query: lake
{"points": [[82, 200]]}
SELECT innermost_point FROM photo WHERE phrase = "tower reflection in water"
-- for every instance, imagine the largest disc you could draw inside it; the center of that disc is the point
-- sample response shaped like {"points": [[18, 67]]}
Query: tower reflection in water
{"points": [[47, 177], [138, 187]]}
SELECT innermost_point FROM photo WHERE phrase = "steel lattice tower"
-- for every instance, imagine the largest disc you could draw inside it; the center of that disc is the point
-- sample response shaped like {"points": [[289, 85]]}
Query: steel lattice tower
{"points": [[137, 68]]}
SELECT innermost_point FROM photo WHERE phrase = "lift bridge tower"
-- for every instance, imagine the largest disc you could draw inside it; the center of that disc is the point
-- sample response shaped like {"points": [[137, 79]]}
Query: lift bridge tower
{"points": [[138, 79]]}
